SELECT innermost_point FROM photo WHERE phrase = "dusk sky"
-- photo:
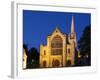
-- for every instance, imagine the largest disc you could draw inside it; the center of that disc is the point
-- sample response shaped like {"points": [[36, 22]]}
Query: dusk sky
{"points": [[37, 25]]}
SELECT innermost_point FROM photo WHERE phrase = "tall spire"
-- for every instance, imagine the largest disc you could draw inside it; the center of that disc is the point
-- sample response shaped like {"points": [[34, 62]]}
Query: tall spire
{"points": [[72, 25]]}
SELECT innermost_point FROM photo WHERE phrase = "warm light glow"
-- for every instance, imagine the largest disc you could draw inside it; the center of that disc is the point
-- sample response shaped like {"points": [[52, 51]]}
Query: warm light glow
{"points": [[56, 54]]}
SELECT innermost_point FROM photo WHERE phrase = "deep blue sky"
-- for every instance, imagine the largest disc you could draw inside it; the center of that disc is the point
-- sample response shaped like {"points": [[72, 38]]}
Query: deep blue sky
{"points": [[37, 25]]}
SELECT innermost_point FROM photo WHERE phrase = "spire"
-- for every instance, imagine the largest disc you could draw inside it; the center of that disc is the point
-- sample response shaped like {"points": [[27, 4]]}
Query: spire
{"points": [[72, 25]]}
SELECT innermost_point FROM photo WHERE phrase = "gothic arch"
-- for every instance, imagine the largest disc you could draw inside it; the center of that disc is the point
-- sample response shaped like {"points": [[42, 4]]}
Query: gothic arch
{"points": [[68, 63], [55, 63], [44, 63]]}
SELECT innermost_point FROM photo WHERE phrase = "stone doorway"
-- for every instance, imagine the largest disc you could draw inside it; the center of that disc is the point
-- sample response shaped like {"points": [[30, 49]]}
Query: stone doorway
{"points": [[44, 63], [55, 63], [68, 63]]}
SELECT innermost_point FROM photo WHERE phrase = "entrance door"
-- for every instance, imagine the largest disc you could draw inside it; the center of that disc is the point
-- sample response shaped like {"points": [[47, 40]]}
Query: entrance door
{"points": [[44, 63], [68, 63], [55, 63]]}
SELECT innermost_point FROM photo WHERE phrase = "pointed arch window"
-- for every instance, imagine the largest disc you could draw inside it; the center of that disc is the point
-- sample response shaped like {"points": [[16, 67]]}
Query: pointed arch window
{"points": [[44, 52], [56, 45], [68, 50]]}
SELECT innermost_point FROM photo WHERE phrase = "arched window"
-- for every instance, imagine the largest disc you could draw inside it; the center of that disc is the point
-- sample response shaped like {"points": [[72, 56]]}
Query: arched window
{"points": [[68, 50], [44, 52], [44, 63], [56, 45]]}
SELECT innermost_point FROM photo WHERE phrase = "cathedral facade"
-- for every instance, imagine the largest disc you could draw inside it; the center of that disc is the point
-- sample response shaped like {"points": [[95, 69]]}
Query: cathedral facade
{"points": [[60, 49]]}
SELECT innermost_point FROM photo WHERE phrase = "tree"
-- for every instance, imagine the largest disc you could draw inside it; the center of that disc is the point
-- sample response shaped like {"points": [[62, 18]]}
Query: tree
{"points": [[76, 57], [34, 54], [33, 58], [84, 45]]}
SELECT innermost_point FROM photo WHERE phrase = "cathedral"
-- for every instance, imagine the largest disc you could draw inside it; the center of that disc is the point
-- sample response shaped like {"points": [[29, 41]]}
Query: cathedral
{"points": [[59, 50]]}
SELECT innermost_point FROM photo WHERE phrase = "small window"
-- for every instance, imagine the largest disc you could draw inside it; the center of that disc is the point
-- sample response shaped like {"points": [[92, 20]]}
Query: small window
{"points": [[68, 51], [44, 52]]}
